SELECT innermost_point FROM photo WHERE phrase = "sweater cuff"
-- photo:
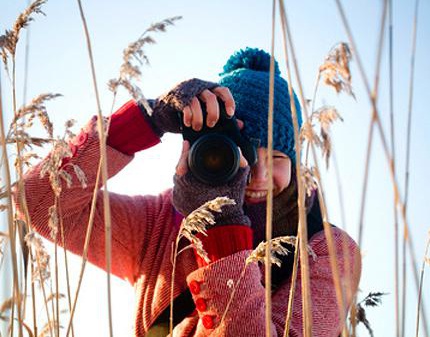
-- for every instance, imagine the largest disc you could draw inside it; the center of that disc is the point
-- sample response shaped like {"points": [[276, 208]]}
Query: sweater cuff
{"points": [[223, 241], [129, 132]]}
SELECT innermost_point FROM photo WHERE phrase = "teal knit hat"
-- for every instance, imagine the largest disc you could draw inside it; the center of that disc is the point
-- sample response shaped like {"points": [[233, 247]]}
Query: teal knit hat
{"points": [[247, 74]]}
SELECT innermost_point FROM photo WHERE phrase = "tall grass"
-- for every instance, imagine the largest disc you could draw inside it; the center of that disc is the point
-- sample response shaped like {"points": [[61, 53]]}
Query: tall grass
{"points": [[313, 137]]}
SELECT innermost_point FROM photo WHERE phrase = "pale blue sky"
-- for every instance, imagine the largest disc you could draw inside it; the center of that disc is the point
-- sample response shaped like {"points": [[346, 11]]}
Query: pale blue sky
{"points": [[198, 46]]}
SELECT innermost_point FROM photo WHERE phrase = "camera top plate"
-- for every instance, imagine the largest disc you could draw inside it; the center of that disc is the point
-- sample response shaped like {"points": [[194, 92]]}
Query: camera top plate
{"points": [[226, 126]]}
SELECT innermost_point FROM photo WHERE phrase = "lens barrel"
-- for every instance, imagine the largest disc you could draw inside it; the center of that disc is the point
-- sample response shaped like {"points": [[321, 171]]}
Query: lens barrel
{"points": [[214, 159]]}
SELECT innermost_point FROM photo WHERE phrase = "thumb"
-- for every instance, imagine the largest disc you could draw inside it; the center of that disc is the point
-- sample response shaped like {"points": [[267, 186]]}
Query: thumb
{"points": [[182, 166]]}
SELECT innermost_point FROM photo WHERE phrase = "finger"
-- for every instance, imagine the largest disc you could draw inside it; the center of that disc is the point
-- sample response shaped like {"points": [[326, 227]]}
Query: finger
{"points": [[197, 118], [212, 107], [225, 94], [240, 124], [182, 167], [188, 116], [242, 161]]}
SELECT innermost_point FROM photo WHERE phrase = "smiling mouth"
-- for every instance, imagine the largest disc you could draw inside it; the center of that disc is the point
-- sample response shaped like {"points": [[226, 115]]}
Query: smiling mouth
{"points": [[255, 194]]}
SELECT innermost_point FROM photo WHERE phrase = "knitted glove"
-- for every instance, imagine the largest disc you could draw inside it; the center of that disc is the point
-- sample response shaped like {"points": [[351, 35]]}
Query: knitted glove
{"points": [[189, 194], [165, 117]]}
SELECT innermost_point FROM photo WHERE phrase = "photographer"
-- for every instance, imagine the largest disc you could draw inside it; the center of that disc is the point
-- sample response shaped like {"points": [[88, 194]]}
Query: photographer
{"points": [[144, 227]]}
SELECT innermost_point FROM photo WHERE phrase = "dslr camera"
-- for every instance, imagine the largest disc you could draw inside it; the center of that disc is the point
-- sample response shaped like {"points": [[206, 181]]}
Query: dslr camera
{"points": [[214, 156]]}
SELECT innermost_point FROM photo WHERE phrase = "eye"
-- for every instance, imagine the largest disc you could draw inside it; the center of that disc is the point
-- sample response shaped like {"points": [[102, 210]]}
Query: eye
{"points": [[279, 156]]}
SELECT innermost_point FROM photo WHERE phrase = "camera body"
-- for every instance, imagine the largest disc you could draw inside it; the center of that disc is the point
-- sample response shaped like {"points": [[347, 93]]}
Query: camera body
{"points": [[214, 156]]}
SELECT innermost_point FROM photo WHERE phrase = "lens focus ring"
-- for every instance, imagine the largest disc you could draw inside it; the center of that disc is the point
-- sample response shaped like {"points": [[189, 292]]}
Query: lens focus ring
{"points": [[214, 159]]}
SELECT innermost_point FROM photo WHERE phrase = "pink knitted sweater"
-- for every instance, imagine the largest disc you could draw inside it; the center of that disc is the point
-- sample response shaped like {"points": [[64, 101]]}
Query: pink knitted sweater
{"points": [[143, 230]]}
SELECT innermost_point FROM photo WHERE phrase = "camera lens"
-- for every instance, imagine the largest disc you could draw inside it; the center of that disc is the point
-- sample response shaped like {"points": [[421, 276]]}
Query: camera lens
{"points": [[214, 159]]}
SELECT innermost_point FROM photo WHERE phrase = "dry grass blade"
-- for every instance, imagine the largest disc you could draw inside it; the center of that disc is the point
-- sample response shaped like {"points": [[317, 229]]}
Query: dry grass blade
{"points": [[41, 270], [53, 221], [335, 70], [134, 57], [326, 116], [52, 165], [27, 158], [196, 222], [308, 179], [47, 328], [9, 303], [373, 299], [37, 108], [3, 192], [25, 139], [3, 238], [162, 25], [53, 296], [361, 318], [55, 165], [9, 40], [276, 248], [308, 134]]}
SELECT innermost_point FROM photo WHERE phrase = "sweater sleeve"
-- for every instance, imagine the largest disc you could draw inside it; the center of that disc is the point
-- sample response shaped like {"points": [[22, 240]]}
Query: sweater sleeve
{"points": [[130, 131], [130, 219], [212, 286], [222, 241]]}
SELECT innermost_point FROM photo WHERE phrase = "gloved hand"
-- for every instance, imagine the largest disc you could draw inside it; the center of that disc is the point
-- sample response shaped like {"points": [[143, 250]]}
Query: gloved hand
{"points": [[185, 98], [189, 193]]}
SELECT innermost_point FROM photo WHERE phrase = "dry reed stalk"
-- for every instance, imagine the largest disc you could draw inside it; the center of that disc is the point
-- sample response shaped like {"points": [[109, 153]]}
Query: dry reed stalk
{"points": [[104, 172], [374, 97], [307, 316], [52, 167], [66, 264], [330, 242], [10, 212], [345, 246], [408, 151], [196, 222], [40, 268], [344, 56], [54, 218], [259, 255], [85, 249], [8, 48], [375, 115], [23, 231], [393, 153], [307, 126], [426, 260], [128, 72], [269, 198], [293, 282]]}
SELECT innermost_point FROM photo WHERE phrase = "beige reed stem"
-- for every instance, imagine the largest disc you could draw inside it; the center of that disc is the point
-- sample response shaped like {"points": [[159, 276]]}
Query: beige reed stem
{"points": [[268, 265], [104, 172], [11, 227], [397, 198]]}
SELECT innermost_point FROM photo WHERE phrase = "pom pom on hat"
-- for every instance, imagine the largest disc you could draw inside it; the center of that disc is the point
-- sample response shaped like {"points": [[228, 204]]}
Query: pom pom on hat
{"points": [[250, 58], [247, 75]]}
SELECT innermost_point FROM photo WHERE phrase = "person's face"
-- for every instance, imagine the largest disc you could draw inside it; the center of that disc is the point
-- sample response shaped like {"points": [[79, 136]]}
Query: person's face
{"points": [[257, 188]]}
